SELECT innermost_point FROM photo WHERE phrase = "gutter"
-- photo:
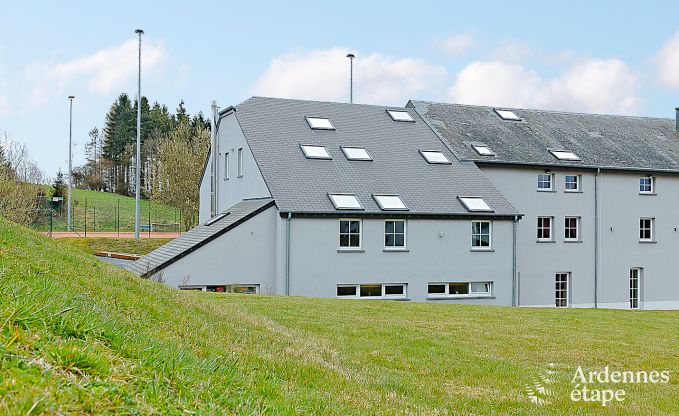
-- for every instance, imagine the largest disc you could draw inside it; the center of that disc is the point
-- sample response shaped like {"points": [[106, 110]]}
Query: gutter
{"points": [[287, 255], [514, 282], [597, 220]]}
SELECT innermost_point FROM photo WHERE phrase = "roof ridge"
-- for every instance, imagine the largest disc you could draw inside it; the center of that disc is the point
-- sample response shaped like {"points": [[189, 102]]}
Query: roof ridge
{"points": [[300, 100]]}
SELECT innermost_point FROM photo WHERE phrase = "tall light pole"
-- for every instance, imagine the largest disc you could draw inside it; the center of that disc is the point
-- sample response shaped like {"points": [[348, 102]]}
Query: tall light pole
{"points": [[70, 159], [351, 57], [137, 173]]}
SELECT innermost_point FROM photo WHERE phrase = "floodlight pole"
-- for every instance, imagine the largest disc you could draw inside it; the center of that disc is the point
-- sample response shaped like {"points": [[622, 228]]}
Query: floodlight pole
{"points": [[351, 57], [70, 160], [137, 175]]}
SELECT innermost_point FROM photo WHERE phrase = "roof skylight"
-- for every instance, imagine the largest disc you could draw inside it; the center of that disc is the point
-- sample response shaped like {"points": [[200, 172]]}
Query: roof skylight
{"points": [[215, 219], [390, 203], [435, 157], [507, 115], [315, 152], [345, 201], [320, 123], [475, 204], [356, 153], [400, 115], [565, 155], [483, 150]]}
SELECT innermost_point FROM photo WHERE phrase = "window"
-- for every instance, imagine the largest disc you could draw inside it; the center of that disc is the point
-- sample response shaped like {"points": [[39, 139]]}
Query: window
{"points": [[544, 228], [481, 231], [435, 157], [483, 150], [544, 181], [634, 275], [475, 204], [646, 185], [320, 123], [460, 289], [561, 290], [240, 162], [572, 183], [565, 155], [372, 291], [390, 203], [350, 234], [571, 229], [394, 234], [315, 152], [400, 115], [226, 166], [646, 229], [230, 288], [507, 115], [215, 219], [356, 153], [345, 201]]}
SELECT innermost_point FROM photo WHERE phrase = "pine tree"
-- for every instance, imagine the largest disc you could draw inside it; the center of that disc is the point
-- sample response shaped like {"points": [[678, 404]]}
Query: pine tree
{"points": [[59, 185]]}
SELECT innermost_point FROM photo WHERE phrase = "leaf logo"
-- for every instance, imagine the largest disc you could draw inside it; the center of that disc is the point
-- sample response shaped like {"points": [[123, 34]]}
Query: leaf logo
{"points": [[538, 392]]}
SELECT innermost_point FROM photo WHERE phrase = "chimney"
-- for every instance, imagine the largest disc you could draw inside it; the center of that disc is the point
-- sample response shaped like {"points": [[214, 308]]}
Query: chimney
{"points": [[213, 167], [676, 118]]}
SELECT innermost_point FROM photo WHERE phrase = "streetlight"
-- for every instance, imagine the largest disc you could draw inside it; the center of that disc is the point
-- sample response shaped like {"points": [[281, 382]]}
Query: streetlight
{"points": [[137, 174], [70, 159], [351, 57]]}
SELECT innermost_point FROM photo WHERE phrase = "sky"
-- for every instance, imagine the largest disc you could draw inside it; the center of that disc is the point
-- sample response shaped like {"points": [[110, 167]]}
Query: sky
{"points": [[617, 57]]}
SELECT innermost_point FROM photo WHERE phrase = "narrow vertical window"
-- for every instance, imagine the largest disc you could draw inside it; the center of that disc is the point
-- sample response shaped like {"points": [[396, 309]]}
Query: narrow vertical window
{"points": [[646, 229], [226, 166], [394, 234], [561, 290], [240, 162], [350, 234], [571, 229], [481, 235], [544, 182], [634, 288], [544, 228]]}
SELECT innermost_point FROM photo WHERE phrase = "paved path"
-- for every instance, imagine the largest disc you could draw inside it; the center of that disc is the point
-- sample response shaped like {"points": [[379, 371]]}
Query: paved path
{"points": [[113, 234]]}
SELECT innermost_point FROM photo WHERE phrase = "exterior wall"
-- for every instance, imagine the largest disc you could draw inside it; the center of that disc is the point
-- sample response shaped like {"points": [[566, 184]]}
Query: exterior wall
{"points": [[204, 194], [243, 255], [316, 266]]}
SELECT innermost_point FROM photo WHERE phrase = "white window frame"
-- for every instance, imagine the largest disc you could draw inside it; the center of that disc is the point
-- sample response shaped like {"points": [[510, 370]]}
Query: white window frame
{"points": [[480, 234], [475, 204], [240, 162], [380, 200], [384, 295], [565, 155], [306, 148], [551, 182], [483, 150], [310, 121], [651, 180], [562, 295], [405, 234], [551, 228], [650, 228], [426, 155], [578, 181], [347, 149], [349, 233], [396, 115], [337, 205], [226, 166], [508, 115], [635, 276], [469, 294], [567, 228]]}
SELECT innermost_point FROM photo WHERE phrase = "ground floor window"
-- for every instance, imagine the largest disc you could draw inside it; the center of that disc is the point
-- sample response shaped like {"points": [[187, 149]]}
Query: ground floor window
{"points": [[634, 275], [460, 289], [372, 291], [561, 290], [231, 288]]}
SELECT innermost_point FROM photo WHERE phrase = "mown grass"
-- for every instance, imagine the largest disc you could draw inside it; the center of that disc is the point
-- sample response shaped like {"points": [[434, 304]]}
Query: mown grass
{"points": [[81, 336], [114, 245], [101, 209]]}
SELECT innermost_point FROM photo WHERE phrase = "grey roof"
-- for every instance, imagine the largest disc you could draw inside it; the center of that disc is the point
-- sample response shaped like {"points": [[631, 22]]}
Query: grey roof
{"points": [[198, 236], [601, 141], [275, 129]]}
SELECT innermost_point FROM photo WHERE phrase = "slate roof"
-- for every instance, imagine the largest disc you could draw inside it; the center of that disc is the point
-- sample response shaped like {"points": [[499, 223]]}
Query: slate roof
{"points": [[601, 141], [198, 236], [275, 129]]}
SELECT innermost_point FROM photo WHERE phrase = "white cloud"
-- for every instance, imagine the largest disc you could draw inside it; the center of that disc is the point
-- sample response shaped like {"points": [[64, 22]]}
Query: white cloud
{"points": [[590, 85], [667, 62], [324, 75], [98, 73], [456, 45]]}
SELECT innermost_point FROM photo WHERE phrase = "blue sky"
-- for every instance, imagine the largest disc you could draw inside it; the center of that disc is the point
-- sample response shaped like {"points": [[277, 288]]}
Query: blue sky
{"points": [[605, 56]]}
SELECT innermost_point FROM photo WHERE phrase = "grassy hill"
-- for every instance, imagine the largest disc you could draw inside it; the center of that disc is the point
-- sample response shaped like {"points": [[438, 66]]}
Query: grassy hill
{"points": [[114, 245], [80, 336], [103, 206]]}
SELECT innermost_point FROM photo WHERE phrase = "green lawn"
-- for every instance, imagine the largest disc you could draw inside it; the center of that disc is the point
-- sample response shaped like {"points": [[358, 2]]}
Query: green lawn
{"points": [[114, 245], [102, 207], [81, 336]]}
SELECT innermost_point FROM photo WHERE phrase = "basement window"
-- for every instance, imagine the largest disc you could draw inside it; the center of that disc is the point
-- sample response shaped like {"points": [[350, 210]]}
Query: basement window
{"points": [[460, 289], [390, 203], [356, 153], [320, 123], [475, 204], [315, 152], [372, 291], [483, 150], [565, 155], [345, 201], [507, 115], [435, 157], [400, 115], [215, 219]]}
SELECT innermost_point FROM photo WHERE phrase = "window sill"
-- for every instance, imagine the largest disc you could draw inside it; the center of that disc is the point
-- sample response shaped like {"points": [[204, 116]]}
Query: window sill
{"points": [[572, 241], [546, 190], [571, 191], [460, 297], [226, 179], [351, 250], [648, 242], [648, 193], [239, 176], [482, 250], [545, 241], [396, 250]]}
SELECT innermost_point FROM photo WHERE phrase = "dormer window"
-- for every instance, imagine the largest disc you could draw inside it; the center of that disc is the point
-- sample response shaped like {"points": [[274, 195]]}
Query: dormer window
{"points": [[507, 115], [483, 150], [320, 123], [565, 155], [400, 115]]}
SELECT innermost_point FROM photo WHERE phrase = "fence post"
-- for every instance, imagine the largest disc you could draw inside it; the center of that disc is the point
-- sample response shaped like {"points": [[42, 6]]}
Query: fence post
{"points": [[180, 222], [149, 218], [94, 225], [118, 218], [50, 222], [85, 217]]}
